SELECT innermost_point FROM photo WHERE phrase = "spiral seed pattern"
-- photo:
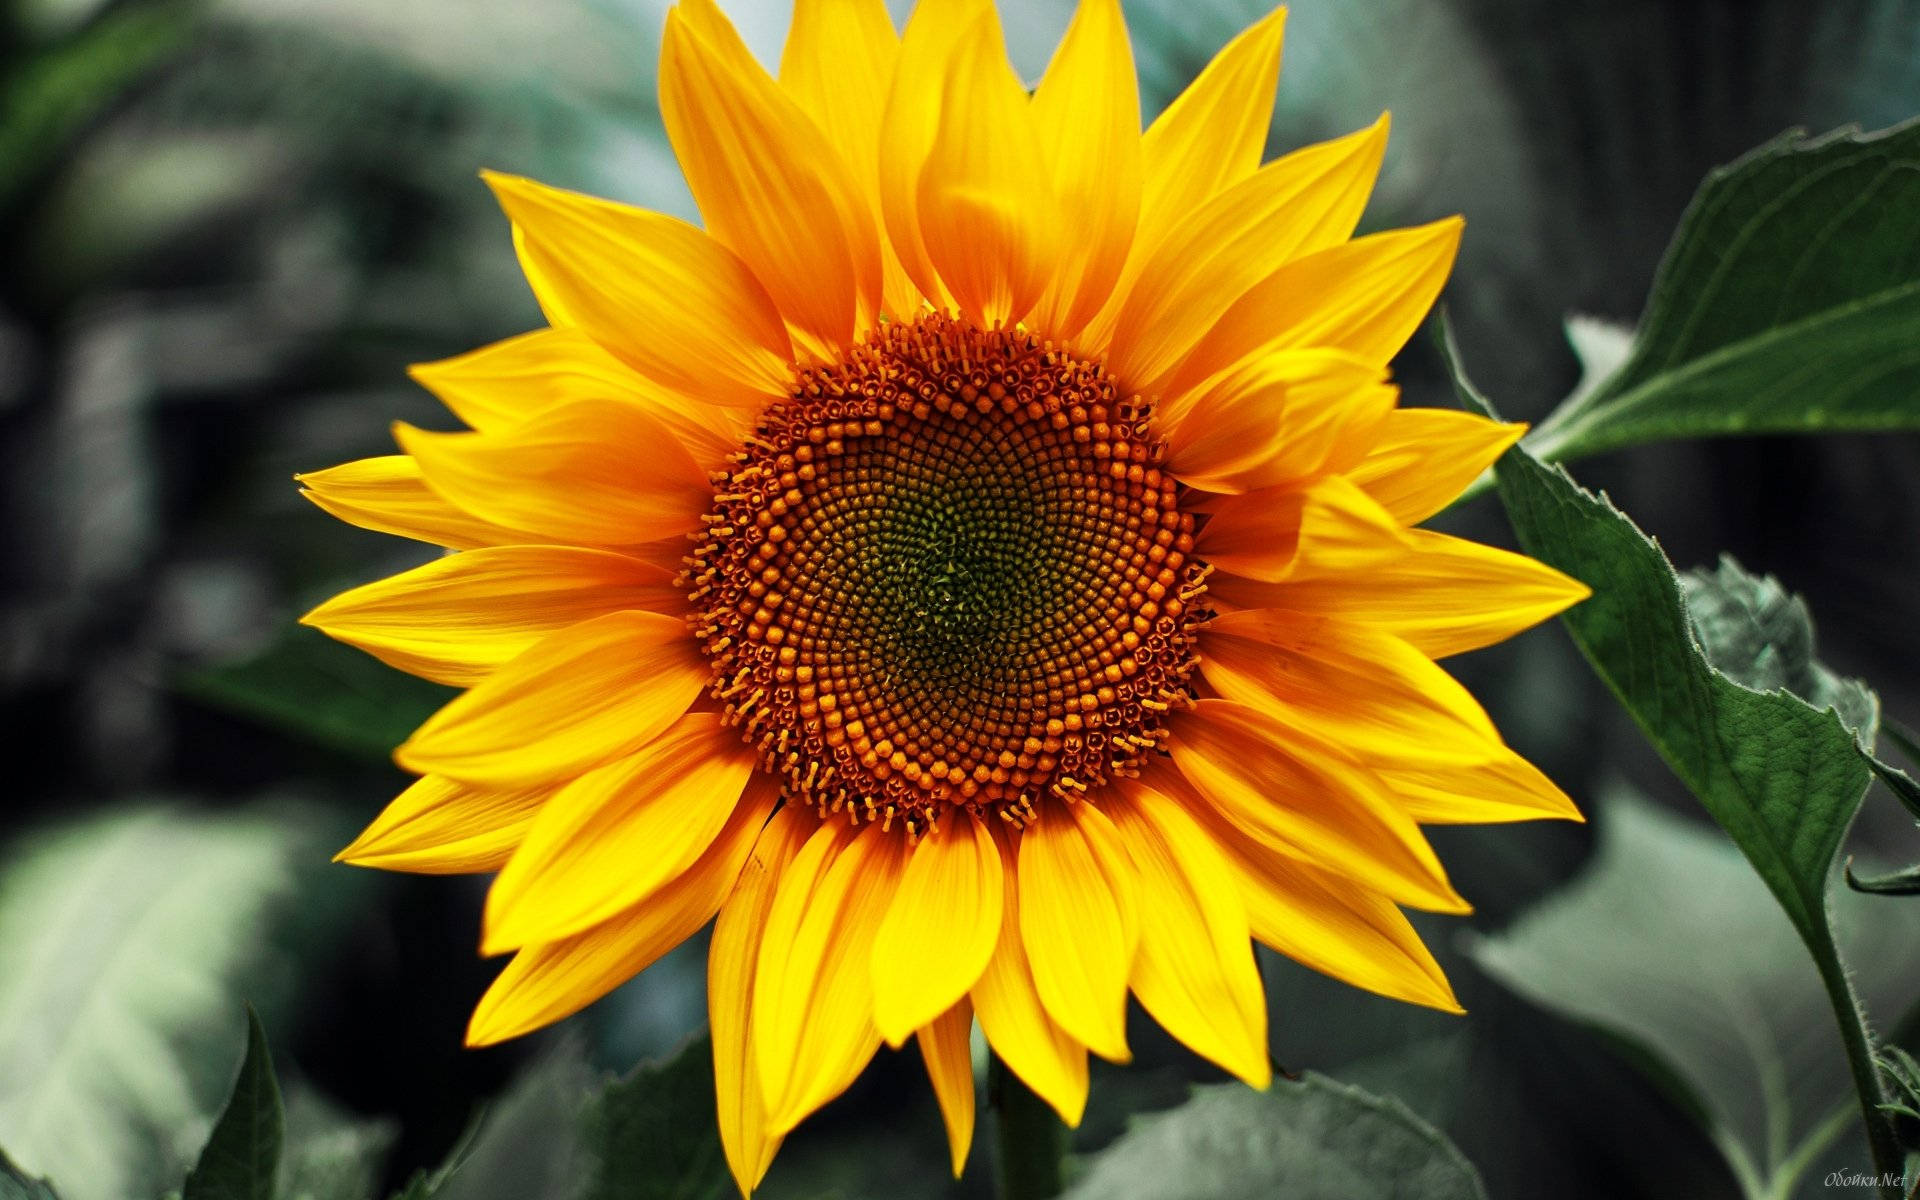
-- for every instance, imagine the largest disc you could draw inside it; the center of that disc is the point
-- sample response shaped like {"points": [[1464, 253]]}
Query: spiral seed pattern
{"points": [[948, 571]]}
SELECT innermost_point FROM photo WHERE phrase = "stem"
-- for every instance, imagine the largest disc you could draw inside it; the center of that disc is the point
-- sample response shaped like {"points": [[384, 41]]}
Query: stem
{"points": [[1032, 1139], [1888, 1161]]}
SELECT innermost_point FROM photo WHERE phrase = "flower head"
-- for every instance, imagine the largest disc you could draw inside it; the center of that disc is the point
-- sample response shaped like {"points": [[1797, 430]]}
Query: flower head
{"points": [[980, 566]]}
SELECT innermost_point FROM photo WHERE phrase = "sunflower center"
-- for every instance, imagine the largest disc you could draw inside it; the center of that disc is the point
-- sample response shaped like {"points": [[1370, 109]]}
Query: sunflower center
{"points": [[948, 571]]}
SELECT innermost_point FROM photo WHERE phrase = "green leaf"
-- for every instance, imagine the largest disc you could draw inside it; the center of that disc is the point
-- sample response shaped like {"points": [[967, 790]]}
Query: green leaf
{"points": [[1788, 302], [16, 1184], [53, 95], [1307, 1137], [526, 1143], [654, 1135], [1759, 635], [1783, 778], [242, 1156], [129, 939], [325, 692], [1723, 1006], [330, 1154]]}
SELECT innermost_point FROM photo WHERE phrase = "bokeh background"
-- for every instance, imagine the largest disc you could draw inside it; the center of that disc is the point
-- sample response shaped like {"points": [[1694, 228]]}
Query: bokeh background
{"points": [[228, 226]]}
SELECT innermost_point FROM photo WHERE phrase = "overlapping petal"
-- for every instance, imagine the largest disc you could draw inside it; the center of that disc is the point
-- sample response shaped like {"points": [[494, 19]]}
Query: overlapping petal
{"points": [[1033, 1045], [617, 834], [595, 473], [838, 65], [935, 940], [949, 1058], [389, 495], [1365, 297], [1080, 923], [440, 827], [660, 295], [1445, 595], [1086, 112], [987, 214], [813, 1026], [732, 966], [770, 185], [1329, 527], [1308, 799], [456, 619], [1194, 970], [551, 980], [1364, 690], [583, 696], [500, 386], [1277, 420], [1308, 200], [1424, 457]]}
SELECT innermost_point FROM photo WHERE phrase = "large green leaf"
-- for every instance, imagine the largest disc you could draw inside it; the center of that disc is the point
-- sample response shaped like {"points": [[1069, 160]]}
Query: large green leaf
{"points": [[331, 1154], [526, 1143], [1724, 1004], [1789, 302], [1782, 777], [1760, 635], [1306, 1137], [242, 1156], [654, 1136], [649, 1136], [323, 691], [15, 1184], [129, 940], [52, 96]]}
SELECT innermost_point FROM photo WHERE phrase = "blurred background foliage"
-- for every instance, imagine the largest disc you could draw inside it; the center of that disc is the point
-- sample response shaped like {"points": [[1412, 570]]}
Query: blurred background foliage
{"points": [[230, 224]]}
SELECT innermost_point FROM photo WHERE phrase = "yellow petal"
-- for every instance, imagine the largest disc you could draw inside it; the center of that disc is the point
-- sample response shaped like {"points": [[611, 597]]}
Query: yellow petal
{"points": [[1328, 527], [838, 66], [1357, 687], [1365, 297], [1322, 920], [551, 980], [987, 215], [813, 1025], [1215, 132], [457, 618], [1507, 789], [389, 495], [1195, 971], [498, 387], [938, 935], [731, 960], [1079, 922], [596, 473], [1211, 137], [439, 827], [1087, 114], [1031, 1043], [1424, 457], [770, 186], [949, 1058], [1444, 596], [552, 306], [659, 294], [1307, 201], [1276, 420], [911, 124], [617, 834], [584, 696], [1308, 799]]}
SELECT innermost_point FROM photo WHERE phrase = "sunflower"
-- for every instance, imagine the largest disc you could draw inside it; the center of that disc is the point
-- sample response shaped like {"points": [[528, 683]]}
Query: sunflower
{"points": [[980, 567]]}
